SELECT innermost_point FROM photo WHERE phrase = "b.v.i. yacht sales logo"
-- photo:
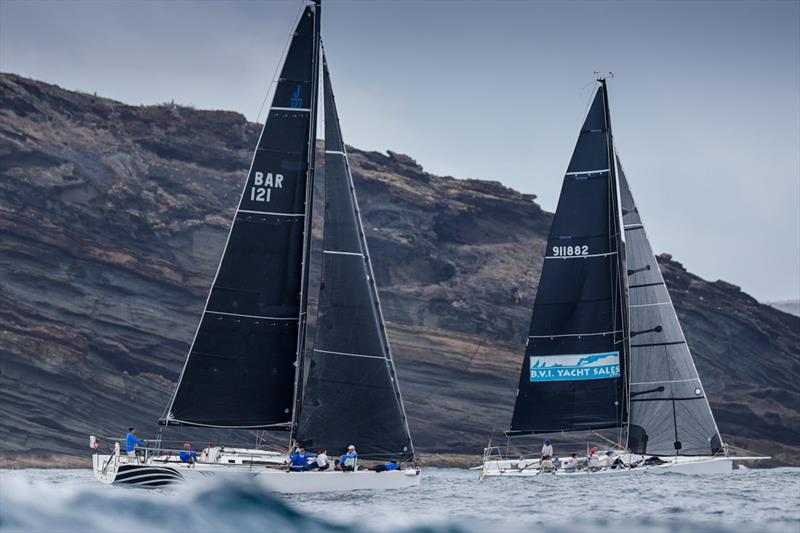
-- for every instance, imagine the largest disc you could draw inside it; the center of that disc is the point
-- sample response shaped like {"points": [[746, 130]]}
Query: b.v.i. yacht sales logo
{"points": [[574, 367]]}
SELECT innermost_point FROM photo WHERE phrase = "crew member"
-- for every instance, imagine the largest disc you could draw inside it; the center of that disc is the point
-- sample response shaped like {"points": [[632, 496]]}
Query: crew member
{"points": [[547, 450], [131, 441], [572, 463], [320, 462], [188, 455], [347, 462], [298, 460], [594, 462]]}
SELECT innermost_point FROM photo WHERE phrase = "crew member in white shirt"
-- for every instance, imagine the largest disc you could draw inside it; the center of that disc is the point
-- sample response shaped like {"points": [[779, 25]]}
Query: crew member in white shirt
{"points": [[572, 463], [321, 461], [606, 461], [547, 450]]}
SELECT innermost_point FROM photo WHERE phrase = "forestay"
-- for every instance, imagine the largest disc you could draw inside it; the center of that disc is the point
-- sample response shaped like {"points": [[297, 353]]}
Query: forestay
{"points": [[351, 395], [240, 369], [572, 375], [669, 412]]}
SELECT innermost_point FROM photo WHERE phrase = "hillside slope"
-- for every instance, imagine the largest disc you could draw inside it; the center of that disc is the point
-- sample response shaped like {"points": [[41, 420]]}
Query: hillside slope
{"points": [[113, 218]]}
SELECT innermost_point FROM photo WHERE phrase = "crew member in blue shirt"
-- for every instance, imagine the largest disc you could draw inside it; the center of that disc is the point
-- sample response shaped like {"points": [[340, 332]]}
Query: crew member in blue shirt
{"points": [[131, 441], [347, 462], [188, 455], [388, 467], [298, 460]]}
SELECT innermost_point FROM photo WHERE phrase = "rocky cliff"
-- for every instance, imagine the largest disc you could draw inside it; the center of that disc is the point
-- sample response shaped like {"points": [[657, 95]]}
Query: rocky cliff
{"points": [[113, 218]]}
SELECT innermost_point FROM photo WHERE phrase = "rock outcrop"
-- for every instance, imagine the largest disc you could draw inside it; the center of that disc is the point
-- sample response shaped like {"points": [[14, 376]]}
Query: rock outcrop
{"points": [[112, 220]]}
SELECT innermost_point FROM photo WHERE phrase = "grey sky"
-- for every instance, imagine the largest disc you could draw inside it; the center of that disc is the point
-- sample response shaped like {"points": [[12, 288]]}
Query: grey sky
{"points": [[705, 105]]}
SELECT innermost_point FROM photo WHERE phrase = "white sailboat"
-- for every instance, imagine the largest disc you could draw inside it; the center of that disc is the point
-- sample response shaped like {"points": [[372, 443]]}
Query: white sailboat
{"points": [[258, 361], [606, 352]]}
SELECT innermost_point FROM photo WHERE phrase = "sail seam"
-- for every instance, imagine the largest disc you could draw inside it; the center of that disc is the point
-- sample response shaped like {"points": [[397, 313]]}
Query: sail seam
{"points": [[634, 226], [573, 335], [598, 171], [651, 305], [252, 316], [197, 424], [579, 256], [646, 285], [335, 152], [337, 252], [305, 109], [665, 381], [673, 343], [349, 354], [271, 213], [669, 399]]}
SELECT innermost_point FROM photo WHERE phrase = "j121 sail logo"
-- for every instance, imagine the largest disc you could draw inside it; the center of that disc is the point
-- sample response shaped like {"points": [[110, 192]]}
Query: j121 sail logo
{"points": [[574, 367], [261, 191], [296, 101]]}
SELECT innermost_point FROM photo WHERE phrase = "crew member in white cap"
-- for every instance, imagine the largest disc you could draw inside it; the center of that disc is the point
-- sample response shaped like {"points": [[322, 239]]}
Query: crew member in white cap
{"points": [[347, 462]]}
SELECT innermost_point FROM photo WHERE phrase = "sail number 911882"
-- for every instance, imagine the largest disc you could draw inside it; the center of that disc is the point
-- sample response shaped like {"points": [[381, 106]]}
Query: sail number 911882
{"points": [[560, 251]]}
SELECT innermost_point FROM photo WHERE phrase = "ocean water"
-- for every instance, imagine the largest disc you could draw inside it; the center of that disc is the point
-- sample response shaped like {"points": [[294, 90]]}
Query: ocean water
{"points": [[449, 500]]}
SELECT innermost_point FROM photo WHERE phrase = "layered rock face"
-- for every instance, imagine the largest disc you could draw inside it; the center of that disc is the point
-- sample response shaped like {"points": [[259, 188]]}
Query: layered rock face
{"points": [[113, 219]]}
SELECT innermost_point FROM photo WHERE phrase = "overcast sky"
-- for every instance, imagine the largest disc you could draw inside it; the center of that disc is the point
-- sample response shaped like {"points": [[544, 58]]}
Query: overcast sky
{"points": [[705, 104]]}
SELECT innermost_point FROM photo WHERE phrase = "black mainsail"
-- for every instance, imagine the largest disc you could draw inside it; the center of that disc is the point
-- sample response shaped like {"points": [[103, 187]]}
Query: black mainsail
{"points": [[574, 366], [669, 411], [240, 369], [351, 394]]}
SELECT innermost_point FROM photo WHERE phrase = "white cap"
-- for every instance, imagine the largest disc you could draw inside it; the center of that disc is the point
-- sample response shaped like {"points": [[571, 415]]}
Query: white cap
{"points": [[351, 447]]}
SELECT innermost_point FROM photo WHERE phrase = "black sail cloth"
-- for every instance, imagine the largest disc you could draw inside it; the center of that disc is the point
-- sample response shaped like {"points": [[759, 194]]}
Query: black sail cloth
{"points": [[669, 412], [240, 368], [351, 395], [572, 375]]}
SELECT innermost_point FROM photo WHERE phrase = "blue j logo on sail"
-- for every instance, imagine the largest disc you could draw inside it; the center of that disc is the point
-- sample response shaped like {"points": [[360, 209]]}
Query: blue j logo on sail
{"points": [[297, 100], [574, 367]]}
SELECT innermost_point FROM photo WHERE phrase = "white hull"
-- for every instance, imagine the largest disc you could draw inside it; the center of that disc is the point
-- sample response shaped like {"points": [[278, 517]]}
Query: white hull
{"points": [[120, 470], [333, 481], [677, 465]]}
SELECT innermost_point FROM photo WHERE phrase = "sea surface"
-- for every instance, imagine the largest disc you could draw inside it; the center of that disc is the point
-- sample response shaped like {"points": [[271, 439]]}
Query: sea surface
{"points": [[449, 501]]}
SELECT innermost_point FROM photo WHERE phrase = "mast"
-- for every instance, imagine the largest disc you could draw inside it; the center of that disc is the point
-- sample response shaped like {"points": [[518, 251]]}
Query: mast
{"points": [[618, 235], [309, 203]]}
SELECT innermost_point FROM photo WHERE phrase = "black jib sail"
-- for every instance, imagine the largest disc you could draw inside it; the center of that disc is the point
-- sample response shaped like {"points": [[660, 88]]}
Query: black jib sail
{"points": [[240, 369], [351, 395], [669, 412], [574, 366]]}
